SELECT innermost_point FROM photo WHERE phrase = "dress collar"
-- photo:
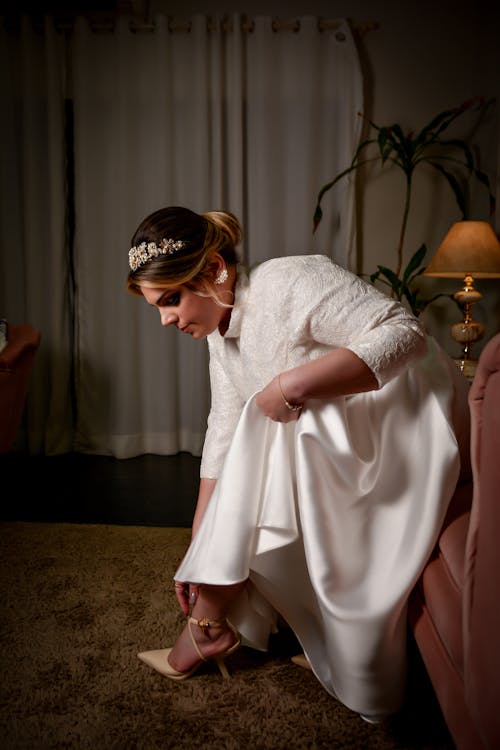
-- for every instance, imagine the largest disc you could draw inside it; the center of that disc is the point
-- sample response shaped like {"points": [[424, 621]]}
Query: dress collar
{"points": [[241, 290]]}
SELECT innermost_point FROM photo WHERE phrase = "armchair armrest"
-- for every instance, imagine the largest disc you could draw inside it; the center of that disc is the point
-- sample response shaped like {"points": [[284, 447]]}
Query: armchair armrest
{"points": [[16, 364]]}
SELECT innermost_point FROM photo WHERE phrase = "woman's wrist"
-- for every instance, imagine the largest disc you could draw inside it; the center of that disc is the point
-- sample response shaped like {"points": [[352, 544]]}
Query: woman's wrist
{"points": [[290, 403]]}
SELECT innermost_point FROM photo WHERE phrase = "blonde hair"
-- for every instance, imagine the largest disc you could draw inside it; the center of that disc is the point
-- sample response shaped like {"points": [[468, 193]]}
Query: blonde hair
{"points": [[203, 236]]}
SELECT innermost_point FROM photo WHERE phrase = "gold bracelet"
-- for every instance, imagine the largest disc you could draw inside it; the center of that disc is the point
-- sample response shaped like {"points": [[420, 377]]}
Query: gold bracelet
{"points": [[292, 407]]}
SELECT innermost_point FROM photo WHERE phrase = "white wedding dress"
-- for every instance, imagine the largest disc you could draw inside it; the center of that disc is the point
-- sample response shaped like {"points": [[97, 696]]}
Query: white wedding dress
{"points": [[331, 518]]}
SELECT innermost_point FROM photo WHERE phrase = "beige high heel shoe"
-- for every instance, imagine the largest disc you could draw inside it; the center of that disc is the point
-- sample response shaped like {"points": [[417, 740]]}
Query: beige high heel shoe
{"points": [[302, 661], [159, 659]]}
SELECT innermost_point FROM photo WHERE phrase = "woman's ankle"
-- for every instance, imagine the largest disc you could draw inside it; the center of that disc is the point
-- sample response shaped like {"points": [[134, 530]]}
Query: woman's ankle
{"points": [[210, 631], [211, 640]]}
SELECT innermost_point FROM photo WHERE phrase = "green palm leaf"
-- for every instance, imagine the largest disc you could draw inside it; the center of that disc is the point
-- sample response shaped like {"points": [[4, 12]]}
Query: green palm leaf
{"points": [[451, 158]]}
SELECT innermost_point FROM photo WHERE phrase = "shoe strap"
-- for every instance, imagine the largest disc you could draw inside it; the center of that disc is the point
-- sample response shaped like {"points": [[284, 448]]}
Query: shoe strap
{"points": [[204, 623]]}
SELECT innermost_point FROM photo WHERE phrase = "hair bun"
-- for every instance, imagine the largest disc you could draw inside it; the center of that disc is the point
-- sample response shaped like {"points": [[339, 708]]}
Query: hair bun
{"points": [[227, 223]]}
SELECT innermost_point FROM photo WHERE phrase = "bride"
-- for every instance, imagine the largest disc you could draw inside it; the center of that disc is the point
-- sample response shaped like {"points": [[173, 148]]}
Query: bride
{"points": [[329, 459]]}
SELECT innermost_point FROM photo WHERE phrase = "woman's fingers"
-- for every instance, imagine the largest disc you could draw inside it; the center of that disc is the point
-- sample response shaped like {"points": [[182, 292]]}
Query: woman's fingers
{"points": [[182, 596]]}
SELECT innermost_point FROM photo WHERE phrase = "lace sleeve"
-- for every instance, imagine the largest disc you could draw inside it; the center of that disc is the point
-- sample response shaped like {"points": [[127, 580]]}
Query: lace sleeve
{"points": [[381, 331], [225, 411], [390, 348]]}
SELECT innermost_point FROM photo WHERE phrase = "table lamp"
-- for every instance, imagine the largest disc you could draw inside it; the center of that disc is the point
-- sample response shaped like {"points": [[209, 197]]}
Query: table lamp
{"points": [[470, 250]]}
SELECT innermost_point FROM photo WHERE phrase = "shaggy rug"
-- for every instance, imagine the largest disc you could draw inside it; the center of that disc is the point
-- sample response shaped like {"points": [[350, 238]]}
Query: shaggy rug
{"points": [[79, 602]]}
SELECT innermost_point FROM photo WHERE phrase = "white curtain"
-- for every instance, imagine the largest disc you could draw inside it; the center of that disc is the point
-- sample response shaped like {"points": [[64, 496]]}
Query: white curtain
{"points": [[35, 278], [214, 116]]}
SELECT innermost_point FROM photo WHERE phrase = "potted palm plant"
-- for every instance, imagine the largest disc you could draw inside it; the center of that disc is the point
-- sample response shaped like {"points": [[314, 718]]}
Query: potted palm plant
{"points": [[451, 158]]}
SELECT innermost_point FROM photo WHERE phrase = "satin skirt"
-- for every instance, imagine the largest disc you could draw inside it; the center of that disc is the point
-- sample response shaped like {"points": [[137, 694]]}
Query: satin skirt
{"points": [[331, 519]]}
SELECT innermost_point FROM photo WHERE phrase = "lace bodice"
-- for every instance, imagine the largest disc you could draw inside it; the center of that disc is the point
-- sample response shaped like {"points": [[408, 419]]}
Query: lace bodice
{"points": [[291, 310]]}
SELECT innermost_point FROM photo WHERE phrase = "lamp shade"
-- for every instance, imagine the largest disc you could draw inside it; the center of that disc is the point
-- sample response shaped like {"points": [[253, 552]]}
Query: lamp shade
{"points": [[470, 248]]}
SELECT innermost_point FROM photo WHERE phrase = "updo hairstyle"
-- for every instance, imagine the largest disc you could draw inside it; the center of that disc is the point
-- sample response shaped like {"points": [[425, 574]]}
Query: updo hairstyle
{"points": [[203, 236]]}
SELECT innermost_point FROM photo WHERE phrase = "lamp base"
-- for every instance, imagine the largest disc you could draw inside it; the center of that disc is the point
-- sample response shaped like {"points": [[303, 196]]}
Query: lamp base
{"points": [[468, 331], [466, 366]]}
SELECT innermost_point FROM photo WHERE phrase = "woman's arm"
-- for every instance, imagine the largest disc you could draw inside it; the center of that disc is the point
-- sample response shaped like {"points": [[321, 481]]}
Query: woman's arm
{"points": [[187, 592], [207, 487], [338, 373], [225, 410]]}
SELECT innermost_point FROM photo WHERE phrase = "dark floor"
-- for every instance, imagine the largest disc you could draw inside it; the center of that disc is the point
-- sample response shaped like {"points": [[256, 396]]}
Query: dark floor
{"points": [[147, 490], [153, 490]]}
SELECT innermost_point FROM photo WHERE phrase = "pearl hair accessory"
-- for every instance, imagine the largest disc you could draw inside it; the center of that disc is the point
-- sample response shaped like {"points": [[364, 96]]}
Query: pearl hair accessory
{"points": [[222, 276], [139, 255]]}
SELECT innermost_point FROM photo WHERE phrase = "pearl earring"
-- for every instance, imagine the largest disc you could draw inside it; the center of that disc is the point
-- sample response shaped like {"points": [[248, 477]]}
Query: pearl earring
{"points": [[222, 276]]}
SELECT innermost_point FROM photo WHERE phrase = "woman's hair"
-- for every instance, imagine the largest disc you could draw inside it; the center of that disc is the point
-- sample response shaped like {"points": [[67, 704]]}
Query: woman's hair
{"points": [[200, 236]]}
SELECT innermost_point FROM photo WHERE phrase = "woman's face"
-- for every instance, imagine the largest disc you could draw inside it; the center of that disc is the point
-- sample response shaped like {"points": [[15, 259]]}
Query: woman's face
{"points": [[187, 311]]}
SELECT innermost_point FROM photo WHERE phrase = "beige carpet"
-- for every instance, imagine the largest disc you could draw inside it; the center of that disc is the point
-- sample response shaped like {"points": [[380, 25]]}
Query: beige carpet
{"points": [[79, 602]]}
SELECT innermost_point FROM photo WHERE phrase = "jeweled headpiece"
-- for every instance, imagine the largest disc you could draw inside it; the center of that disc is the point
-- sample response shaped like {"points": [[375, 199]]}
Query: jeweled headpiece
{"points": [[139, 255]]}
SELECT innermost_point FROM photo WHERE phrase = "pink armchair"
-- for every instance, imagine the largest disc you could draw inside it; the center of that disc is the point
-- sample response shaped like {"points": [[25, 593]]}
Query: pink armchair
{"points": [[454, 610], [16, 364]]}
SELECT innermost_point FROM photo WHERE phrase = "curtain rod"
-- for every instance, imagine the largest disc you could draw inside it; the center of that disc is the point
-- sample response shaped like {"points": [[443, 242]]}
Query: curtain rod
{"points": [[106, 23]]}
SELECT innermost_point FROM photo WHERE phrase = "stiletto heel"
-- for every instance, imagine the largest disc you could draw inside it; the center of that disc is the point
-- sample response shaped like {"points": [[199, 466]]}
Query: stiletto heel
{"points": [[158, 659], [222, 668], [302, 661]]}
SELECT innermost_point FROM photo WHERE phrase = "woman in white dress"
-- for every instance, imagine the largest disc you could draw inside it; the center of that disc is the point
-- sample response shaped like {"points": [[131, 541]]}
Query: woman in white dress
{"points": [[329, 459]]}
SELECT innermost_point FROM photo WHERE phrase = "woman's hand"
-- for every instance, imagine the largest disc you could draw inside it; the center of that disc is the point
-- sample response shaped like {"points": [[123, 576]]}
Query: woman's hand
{"points": [[272, 403], [187, 594]]}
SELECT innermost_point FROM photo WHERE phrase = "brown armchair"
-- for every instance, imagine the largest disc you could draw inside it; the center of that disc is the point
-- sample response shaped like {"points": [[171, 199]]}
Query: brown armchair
{"points": [[16, 364], [454, 611]]}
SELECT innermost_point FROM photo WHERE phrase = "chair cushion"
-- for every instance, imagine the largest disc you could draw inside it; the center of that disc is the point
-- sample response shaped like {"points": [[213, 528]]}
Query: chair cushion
{"points": [[441, 587], [452, 542]]}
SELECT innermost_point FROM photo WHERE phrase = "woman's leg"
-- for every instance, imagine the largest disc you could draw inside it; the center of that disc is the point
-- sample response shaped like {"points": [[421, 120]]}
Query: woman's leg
{"points": [[212, 604]]}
